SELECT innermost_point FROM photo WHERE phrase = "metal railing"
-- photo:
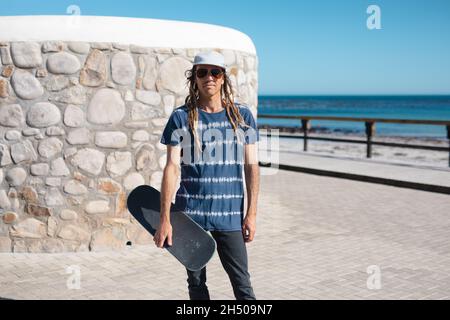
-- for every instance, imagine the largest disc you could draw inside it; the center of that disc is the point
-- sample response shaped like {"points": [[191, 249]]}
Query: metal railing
{"points": [[370, 131]]}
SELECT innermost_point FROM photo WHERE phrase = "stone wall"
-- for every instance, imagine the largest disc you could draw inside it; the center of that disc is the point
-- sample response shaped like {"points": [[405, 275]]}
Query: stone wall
{"points": [[80, 125]]}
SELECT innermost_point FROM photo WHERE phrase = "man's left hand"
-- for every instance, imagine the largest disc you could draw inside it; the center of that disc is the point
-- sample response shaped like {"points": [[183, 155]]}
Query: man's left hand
{"points": [[249, 227]]}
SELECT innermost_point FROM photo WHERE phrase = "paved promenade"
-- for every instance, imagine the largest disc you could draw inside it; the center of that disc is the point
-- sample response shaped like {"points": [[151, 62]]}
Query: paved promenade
{"points": [[317, 238]]}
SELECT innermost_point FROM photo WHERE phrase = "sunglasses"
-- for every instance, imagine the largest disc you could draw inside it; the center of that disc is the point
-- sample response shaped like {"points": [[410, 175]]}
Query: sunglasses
{"points": [[216, 72]]}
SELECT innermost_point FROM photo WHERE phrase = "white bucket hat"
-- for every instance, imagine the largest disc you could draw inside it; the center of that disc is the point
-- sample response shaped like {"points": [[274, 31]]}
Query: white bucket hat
{"points": [[210, 57]]}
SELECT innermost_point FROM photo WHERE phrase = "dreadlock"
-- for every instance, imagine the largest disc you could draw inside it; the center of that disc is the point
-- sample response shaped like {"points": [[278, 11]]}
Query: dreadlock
{"points": [[192, 105]]}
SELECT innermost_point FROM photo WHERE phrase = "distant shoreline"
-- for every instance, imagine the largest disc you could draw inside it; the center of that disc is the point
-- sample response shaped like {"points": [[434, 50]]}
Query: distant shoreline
{"points": [[358, 151], [265, 96], [323, 131], [408, 107]]}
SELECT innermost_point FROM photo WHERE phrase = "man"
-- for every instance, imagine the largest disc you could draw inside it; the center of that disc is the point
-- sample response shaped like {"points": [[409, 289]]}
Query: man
{"points": [[218, 139]]}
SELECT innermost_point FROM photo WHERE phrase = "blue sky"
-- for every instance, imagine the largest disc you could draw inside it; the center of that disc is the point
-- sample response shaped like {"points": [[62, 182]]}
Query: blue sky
{"points": [[311, 47]]}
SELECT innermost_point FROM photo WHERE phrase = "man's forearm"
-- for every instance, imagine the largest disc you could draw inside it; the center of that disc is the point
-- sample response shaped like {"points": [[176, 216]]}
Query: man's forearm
{"points": [[168, 187], [252, 185]]}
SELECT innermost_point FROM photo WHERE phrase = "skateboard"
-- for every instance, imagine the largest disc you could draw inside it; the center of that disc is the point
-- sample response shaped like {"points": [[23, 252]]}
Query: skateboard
{"points": [[191, 244]]}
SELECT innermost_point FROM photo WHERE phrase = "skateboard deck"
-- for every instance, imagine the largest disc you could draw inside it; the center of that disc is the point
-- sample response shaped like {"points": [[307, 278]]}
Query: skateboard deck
{"points": [[191, 244]]}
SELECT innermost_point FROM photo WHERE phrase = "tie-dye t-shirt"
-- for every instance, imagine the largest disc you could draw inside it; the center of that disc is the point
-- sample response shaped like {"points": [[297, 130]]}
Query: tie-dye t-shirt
{"points": [[212, 187]]}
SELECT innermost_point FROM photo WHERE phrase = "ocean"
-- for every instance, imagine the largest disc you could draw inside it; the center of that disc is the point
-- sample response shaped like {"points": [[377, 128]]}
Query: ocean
{"points": [[401, 107]]}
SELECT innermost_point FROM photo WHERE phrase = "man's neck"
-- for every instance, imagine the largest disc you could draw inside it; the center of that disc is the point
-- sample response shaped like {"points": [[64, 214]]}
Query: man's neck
{"points": [[211, 104]]}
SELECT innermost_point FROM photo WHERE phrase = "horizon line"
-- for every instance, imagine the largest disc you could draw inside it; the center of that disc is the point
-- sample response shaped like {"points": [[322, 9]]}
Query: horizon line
{"points": [[351, 94]]}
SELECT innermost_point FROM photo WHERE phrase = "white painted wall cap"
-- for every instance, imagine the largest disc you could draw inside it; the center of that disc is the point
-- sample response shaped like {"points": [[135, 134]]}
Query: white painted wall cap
{"points": [[124, 30]]}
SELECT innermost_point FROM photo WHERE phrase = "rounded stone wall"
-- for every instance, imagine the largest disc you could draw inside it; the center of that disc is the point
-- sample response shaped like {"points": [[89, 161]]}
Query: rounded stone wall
{"points": [[80, 122]]}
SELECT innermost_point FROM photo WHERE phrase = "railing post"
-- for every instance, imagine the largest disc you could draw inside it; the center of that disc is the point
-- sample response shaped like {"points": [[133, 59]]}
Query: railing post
{"points": [[305, 126], [448, 137], [370, 131]]}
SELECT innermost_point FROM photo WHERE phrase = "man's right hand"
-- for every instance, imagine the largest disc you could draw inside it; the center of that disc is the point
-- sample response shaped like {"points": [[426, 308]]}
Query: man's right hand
{"points": [[164, 232]]}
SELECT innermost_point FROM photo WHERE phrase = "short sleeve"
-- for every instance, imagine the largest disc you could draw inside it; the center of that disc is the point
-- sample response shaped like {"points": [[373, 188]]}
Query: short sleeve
{"points": [[251, 133], [172, 132]]}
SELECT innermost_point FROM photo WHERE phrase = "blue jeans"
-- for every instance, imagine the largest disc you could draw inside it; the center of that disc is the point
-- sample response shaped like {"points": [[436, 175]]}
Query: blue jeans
{"points": [[233, 255]]}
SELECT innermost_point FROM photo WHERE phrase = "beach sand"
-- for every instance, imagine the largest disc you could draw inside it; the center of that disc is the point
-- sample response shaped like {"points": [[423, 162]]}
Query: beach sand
{"points": [[383, 154]]}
